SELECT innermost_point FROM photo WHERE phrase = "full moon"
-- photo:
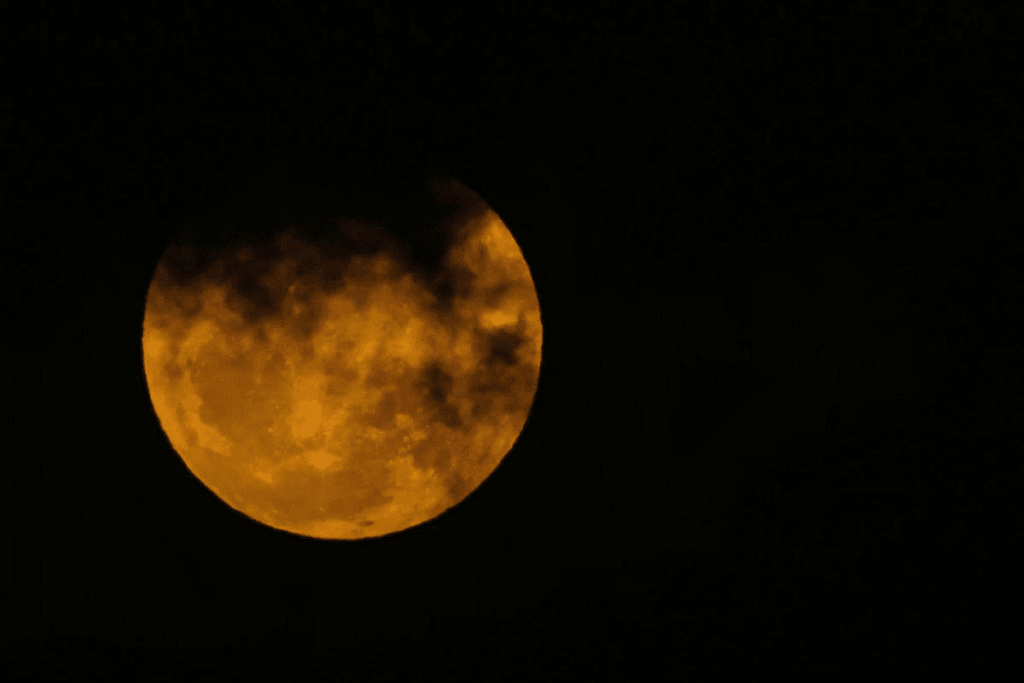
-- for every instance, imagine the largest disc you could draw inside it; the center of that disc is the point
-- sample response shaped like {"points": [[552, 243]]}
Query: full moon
{"points": [[340, 375]]}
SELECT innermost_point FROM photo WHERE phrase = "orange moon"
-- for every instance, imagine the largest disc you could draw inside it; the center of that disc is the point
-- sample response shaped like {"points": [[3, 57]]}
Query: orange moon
{"points": [[320, 382]]}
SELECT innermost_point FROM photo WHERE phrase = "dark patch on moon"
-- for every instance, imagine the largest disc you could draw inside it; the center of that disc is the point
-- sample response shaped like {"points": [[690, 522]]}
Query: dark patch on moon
{"points": [[450, 417], [503, 347], [173, 370], [438, 382], [458, 488]]}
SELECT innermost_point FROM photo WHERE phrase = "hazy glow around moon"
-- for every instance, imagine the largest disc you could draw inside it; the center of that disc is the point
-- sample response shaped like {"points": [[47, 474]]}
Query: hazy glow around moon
{"points": [[359, 403]]}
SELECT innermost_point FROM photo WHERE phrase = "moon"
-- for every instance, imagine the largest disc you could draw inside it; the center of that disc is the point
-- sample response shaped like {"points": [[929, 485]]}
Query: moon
{"points": [[344, 376]]}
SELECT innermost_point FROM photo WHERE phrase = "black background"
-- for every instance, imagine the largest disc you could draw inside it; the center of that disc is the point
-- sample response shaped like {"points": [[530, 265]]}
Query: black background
{"points": [[671, 502]]}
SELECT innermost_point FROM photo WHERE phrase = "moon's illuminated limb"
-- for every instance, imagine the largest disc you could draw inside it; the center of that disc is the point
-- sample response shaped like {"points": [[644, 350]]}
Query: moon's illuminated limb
{"points": [[375, 414]]}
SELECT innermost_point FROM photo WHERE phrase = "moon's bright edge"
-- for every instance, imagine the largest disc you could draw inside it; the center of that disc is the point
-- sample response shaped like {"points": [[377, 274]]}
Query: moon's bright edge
{"points": [[359, 406]]}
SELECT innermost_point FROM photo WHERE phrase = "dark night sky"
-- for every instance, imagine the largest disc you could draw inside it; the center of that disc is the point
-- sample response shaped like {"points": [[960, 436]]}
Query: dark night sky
{"points": [[723, 232]]}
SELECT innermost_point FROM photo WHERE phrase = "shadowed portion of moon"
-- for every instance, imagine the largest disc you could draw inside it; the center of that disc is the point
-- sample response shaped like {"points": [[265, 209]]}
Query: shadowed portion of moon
{"points": [[238, 247], [346, 372]]}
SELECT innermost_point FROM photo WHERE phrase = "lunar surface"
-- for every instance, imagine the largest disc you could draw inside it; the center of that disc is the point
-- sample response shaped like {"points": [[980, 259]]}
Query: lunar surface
{"points": [[348, 380]]}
